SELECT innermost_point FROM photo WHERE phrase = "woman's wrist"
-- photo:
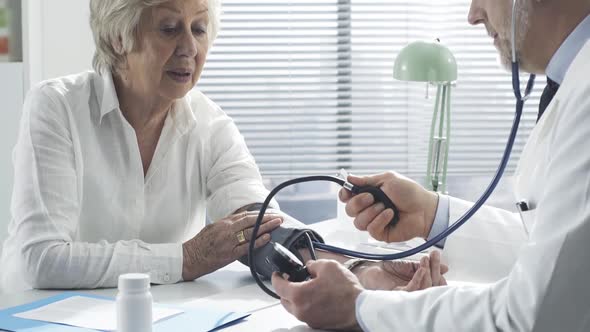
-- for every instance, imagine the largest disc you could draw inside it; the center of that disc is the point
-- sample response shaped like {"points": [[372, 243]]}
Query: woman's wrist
{"points": [[193, 264], [187, 262], [353, 263]]}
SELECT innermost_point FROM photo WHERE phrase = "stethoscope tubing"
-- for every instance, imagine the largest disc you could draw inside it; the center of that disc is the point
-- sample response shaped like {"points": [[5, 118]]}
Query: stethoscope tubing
{"points": [[520, 101]]}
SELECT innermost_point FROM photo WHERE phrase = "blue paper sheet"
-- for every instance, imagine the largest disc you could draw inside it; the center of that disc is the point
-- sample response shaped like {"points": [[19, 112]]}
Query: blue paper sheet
{"points": [[194, 319]]}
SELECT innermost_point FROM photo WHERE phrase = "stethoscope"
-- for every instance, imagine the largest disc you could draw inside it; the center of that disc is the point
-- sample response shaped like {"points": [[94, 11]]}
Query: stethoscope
{"points": [[379, 195]]}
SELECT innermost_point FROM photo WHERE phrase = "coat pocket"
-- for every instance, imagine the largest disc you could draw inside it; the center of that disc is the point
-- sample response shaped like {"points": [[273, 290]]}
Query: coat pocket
{"points": [[528, 220]]}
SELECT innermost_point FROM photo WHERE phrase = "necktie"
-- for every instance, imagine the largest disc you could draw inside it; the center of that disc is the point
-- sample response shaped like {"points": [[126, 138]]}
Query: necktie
{"points": [[547, 96]]}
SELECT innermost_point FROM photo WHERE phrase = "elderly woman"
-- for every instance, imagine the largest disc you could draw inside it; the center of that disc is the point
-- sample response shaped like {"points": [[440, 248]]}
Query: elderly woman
{"points": [[115, 168]]}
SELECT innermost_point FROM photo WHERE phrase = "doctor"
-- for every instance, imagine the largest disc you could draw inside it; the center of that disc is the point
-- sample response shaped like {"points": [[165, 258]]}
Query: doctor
{"points": [[543, 256]]}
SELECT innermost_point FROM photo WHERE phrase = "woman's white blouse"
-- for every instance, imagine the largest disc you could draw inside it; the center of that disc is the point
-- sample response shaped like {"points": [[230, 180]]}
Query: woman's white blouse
{"points": [[82, 211]]}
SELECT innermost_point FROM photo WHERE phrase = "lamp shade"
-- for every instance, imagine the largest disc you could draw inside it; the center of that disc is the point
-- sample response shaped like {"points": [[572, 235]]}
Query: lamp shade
{"points": [[425, 62]]}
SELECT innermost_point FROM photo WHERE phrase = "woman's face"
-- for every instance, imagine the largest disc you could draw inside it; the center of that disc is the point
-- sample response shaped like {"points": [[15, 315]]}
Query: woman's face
{"points": [[171, 49]]}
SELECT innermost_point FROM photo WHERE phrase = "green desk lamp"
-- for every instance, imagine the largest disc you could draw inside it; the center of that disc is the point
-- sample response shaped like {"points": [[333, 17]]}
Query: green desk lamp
{"points": [[433, 63]]}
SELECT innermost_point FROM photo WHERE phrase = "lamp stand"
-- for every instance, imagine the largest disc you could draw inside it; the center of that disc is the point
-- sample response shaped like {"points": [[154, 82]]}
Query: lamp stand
{"points": [[438, 147]]}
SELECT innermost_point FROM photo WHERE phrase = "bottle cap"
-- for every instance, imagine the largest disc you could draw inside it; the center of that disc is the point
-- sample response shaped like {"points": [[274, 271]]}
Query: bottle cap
{"points": [[134, 282]]}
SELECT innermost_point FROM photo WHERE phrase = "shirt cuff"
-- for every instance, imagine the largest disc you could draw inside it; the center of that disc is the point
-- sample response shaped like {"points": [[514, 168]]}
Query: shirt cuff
{"points": [[164, 266], [359, 302], [441, 220]]}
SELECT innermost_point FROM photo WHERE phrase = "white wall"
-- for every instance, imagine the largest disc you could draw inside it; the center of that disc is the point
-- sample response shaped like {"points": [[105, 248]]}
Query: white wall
{"points": [[58, 40], [67, 40]]}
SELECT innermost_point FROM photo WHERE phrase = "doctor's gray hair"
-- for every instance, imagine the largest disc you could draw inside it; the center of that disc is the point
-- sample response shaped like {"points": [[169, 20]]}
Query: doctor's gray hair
{"points": [[115, 25]]}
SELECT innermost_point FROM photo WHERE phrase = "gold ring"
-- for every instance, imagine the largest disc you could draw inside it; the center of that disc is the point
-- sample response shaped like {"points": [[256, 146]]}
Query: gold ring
{"points": [[241, 237]]}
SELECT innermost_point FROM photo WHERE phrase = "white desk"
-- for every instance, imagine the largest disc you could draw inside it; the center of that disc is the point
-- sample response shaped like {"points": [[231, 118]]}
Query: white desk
{"points": [[230, 288]]}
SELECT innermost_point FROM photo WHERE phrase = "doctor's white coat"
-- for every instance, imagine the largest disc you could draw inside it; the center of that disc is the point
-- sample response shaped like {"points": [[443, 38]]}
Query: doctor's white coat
{"points": [[544, 275]]}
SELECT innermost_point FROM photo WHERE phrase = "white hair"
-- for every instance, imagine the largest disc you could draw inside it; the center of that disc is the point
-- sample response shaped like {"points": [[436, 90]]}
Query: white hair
{"points": [[115, 25]]}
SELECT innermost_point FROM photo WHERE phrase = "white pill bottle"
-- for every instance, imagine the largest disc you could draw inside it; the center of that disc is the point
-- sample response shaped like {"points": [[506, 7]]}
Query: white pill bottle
{"points": [[134, 303]]}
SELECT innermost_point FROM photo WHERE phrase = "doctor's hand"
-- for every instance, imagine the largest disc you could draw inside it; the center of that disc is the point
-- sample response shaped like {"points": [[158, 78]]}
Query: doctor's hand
{"points": [[328, 300], [416, 205], [224, 241]]}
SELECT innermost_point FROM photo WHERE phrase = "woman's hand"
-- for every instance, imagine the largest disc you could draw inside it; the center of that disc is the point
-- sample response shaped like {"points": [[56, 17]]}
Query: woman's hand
{"points": [[416, 206], [223, 242], [403, 275]]}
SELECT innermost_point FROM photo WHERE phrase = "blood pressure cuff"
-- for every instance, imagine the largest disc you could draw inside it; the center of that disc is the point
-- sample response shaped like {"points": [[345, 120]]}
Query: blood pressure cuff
{"points": [[291, 234]]}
